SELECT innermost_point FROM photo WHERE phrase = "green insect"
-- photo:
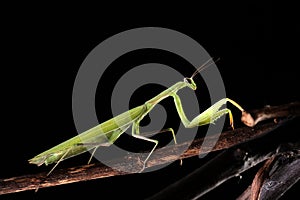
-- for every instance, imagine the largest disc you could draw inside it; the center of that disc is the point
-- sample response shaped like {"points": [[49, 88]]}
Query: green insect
{"points": [[109, 131]]}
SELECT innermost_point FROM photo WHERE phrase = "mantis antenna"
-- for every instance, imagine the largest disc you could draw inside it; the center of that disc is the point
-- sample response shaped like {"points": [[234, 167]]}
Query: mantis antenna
{"points": [[208, 63]]}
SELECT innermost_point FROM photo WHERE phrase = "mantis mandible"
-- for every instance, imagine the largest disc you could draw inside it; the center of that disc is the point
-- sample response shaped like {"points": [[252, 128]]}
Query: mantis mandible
{"points": [[109, 131]]}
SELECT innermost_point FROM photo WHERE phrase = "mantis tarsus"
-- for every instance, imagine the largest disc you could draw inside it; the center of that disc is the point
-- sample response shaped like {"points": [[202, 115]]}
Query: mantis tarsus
{"points": [[109, 131]]}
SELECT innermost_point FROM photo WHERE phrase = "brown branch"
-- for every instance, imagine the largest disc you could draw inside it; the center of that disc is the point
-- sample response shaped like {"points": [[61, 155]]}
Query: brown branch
{"points": [[96, 171], [132, 164], [270, 112]]}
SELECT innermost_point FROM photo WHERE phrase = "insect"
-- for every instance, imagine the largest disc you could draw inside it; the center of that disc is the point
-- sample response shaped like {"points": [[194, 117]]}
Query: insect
{"points": [[109, 131]]}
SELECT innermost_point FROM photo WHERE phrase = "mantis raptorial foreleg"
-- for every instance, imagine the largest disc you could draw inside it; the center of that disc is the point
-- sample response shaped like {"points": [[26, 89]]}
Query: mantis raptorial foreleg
{"points": [[222, 112], [208, 116]]}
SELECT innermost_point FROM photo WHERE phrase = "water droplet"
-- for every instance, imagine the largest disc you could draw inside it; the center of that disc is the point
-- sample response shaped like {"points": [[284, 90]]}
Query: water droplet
{"points": [[271, 185]]}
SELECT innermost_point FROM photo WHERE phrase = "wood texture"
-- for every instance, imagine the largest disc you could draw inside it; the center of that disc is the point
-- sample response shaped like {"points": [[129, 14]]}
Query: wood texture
{"points": [[132, 163]]}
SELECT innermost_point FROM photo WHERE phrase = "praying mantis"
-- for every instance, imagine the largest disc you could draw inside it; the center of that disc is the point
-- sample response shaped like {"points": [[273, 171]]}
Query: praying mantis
{"points": [[106, 133]]}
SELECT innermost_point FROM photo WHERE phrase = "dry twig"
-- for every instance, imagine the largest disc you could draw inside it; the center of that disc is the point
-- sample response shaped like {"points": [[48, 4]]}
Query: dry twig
{"points": [[161, 156]]}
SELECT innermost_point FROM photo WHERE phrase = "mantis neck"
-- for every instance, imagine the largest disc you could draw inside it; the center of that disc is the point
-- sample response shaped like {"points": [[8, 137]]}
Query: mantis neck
{"points": [[166, 93]]}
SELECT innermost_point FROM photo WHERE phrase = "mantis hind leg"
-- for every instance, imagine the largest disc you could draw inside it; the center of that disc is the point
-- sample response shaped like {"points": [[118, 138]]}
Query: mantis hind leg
{"points": [[92, 155], [95, 146], [61, 159]]}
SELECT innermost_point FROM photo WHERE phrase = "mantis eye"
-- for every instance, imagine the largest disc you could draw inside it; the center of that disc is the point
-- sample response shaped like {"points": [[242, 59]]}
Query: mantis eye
{"points": [[187, 80]]}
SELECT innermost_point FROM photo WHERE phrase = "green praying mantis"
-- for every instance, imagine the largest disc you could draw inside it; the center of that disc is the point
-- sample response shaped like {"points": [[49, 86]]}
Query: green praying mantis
{"points": [[106, 133]]}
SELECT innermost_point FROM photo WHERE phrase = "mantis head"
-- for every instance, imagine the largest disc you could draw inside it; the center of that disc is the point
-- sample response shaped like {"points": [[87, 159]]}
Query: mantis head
{"points": [[190, 83]]}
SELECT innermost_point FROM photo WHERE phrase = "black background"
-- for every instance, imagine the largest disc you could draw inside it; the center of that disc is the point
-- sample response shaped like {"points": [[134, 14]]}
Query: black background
{"points": [[42, 50]]}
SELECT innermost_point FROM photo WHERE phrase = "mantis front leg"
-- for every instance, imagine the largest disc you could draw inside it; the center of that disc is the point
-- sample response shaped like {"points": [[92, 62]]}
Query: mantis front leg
{"points": [[208, 116]]}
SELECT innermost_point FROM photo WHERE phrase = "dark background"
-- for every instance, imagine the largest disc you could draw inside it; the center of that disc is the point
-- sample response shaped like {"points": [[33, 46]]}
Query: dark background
{"points": [[42, 50]]}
